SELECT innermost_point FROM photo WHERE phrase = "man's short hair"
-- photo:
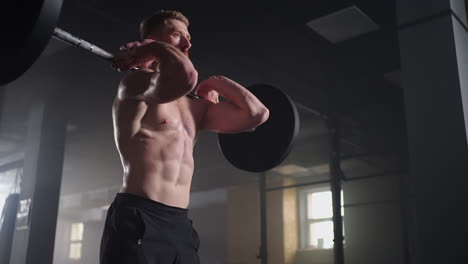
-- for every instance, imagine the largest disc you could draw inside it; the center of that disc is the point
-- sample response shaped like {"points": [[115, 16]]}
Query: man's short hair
{"points": [[154, 22]]}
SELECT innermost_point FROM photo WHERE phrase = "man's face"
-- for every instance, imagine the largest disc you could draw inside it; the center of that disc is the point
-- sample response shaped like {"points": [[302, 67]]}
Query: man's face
{"points": [[174, 32]]}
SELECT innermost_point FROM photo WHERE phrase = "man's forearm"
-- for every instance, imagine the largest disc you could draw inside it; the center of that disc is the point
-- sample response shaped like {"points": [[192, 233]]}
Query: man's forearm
{"points": [[239, 96], [177, 75]]}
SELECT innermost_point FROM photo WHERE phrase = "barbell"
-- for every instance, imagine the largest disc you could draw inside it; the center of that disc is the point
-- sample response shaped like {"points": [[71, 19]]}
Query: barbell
{"points": [[257, 151]]}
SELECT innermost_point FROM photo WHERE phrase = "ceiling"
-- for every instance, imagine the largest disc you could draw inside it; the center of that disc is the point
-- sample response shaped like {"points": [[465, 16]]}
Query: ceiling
{"points": [[250, 42]]}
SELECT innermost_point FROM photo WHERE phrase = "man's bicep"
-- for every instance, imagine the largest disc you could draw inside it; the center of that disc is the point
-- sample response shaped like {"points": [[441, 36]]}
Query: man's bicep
{"points": [[226, 118]]}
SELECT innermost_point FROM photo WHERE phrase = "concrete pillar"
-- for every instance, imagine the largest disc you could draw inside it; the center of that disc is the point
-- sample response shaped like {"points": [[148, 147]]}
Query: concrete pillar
{"points": [[34, 236], [433, 42]]}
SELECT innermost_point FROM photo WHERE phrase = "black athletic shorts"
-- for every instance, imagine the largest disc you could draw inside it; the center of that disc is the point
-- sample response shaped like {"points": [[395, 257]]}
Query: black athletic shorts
{"points": [[140, 230]]}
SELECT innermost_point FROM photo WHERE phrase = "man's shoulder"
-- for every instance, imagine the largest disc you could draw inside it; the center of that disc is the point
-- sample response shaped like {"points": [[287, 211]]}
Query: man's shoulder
{"points": [[135, 83], [120, 104]]}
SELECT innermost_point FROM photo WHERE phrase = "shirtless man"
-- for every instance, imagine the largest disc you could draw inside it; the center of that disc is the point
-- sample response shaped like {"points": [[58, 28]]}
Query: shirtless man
{"points": [[156, 125]]}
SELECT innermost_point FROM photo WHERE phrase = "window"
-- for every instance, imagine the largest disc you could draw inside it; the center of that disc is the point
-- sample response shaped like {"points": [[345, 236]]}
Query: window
{"points": [[76, 241], [316, 212]]}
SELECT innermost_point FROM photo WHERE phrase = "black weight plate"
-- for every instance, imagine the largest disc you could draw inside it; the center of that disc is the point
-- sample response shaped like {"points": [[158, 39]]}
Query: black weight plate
{"points": [[28, 34], [271, 142]]}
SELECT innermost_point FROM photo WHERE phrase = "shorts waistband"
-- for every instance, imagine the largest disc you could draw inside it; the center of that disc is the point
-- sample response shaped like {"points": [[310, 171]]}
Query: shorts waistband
{"points": [[127, 199]]}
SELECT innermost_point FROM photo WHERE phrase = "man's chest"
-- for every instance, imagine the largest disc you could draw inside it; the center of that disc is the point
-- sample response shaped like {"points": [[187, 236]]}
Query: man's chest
{"points": [[182, 114]]}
